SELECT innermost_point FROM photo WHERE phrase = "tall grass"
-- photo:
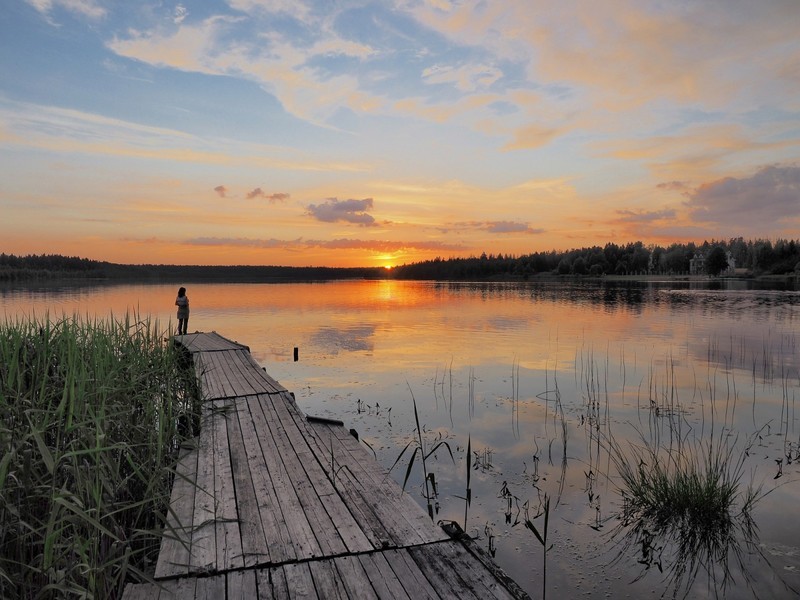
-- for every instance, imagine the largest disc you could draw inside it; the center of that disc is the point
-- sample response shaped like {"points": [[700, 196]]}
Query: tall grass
{"points": [[91, 416]]}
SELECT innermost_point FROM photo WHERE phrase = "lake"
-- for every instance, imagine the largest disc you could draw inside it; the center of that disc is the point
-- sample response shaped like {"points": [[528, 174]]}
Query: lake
{"points": [[554, 387]]}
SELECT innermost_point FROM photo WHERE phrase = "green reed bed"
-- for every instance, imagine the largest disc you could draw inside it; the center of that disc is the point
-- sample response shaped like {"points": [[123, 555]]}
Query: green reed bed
{"points": [[91, 416]]}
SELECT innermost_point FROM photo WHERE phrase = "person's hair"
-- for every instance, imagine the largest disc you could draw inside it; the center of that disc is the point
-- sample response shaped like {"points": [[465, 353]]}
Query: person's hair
{"points": [[182, 292]]}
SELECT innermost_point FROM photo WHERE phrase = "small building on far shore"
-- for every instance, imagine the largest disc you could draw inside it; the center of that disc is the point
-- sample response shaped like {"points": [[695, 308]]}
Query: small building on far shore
{"points": [[697, 264]]}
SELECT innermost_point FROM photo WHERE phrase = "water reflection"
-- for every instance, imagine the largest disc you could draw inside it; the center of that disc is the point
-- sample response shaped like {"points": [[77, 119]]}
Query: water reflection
{"points": [[531, 377], [357, 338]]}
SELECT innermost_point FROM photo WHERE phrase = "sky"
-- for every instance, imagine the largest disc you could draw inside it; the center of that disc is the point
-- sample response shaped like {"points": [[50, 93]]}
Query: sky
{"points": [[377, 133]]}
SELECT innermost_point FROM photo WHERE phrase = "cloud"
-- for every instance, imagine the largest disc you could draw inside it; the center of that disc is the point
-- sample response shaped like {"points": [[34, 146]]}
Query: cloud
{"points": [[334, 244], [467, 78], [272, 198], [348, 211], [53, 129], [501, 227], [180, 14], [510, 227], [285, 66], [644, 216], [674, 186], [771, 195], [531, 136], [221, 191], [87, 8]]}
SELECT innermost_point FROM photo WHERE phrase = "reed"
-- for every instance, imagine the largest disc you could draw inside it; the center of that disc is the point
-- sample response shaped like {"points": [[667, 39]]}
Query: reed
{"points": [[92, 414], [420, 449], [541, 536]]}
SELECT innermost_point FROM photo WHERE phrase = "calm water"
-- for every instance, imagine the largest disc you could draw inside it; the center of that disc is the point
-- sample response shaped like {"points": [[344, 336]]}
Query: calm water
{"points": [[540, 379]]}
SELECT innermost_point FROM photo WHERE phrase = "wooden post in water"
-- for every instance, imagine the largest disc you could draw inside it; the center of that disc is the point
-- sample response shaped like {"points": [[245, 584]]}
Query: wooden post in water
{"points": [[295, 354]]}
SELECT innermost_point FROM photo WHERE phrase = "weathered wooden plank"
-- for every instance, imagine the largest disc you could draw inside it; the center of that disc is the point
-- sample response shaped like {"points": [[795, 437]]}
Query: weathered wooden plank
{"points": [[209, 376], [370, 523], [472, 571], [288, 442], [383, 579], [216, 369], [174, 554], [241, 585], [414, 581], [299, 581], [228, 538], [354, 578], [349, 477], [210, 588], [378, 482], [177, 589], [342, 519], [405, 523], [252, 374], [297, 522], [327, 536], [327, 582], [442, 573], [254, 543], [273, 384], [272, 583], [207, 342], [274, 527], [500, 576], [241, 381], [204, 554]]}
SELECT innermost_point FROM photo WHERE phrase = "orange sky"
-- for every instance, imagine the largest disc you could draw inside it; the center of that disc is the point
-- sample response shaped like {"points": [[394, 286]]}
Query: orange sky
{"points": [[356, 134]]}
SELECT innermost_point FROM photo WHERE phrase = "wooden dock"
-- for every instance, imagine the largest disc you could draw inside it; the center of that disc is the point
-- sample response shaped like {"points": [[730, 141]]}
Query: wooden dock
{"points": [[272, 504]]}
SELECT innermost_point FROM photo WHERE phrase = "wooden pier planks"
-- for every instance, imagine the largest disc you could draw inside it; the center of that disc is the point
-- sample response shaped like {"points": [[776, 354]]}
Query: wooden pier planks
{"points": [[429, 572], [174, 554], [271, 505]]}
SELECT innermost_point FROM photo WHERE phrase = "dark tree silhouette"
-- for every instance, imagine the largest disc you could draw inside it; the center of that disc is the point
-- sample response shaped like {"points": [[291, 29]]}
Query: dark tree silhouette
{"points": [[716, 261]]}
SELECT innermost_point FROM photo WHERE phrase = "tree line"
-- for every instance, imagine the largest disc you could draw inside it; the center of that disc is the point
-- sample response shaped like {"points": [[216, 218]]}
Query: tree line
{"points": [[751, 258], [53, 266]]}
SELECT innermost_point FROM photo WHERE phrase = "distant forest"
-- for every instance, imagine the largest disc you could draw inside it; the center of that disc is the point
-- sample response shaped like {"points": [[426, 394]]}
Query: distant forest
{"points": [[54, 266], [746, 258], [754, 258]]}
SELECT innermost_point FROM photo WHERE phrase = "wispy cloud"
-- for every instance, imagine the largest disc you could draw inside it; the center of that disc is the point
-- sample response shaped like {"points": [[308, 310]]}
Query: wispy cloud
{"points": [[86, 8], [335, 244], [466, 78], [71, 131], [180, 14], [673, 186], [645, 216], [222, 191], [500, 227], [272, 198]]}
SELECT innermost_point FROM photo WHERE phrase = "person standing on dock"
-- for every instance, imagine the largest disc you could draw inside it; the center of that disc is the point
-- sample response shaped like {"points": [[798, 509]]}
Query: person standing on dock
{"points": [[182, 302]]}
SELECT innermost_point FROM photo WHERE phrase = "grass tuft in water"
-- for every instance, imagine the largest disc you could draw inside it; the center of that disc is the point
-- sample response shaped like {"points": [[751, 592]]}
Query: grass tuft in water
{"points": [[686, 509], [91, 417]]}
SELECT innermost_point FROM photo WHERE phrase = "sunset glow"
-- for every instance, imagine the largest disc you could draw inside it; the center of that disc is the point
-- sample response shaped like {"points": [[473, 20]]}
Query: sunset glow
{"points": [[365, 133]]}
